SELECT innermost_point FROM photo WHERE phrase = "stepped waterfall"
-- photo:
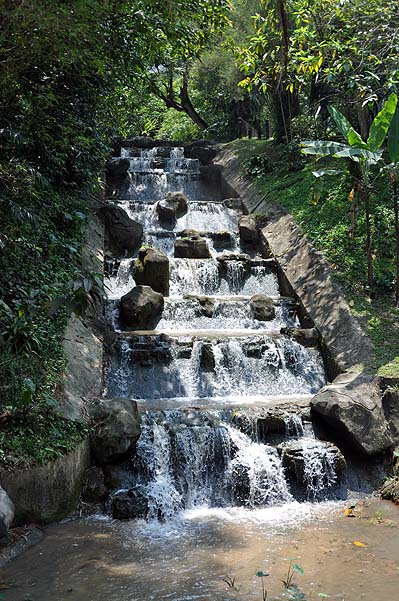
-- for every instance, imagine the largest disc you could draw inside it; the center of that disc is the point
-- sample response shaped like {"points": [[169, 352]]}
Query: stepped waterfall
{"points": [[223, 394]]}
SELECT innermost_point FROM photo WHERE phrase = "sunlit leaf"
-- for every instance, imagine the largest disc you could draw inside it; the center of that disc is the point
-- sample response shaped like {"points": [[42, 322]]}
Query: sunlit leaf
{"points": [[298, 569], [323, 172], [393, 137], [358, 543], [380, 125], [346, 129]]}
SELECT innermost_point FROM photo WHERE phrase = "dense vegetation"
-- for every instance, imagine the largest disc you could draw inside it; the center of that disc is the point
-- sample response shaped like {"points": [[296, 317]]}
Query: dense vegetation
{"points": [[63, 66], [75, 74]]}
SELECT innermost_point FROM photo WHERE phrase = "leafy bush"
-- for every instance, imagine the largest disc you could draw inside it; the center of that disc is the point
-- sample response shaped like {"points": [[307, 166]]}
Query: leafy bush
{"points": [[178, 127], [258, 165]]}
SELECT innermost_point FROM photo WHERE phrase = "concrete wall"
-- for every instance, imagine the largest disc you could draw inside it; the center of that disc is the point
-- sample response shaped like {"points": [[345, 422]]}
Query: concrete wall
{"points": [[48, 492]]}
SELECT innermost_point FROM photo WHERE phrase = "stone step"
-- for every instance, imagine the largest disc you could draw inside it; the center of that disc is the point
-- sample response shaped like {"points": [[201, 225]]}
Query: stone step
{"points": [[277, 300], [218, 404], [201, 334]]}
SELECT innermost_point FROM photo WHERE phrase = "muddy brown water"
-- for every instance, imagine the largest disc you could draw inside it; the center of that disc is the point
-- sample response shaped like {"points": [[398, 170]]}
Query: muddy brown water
{"points": [[96, 559]]}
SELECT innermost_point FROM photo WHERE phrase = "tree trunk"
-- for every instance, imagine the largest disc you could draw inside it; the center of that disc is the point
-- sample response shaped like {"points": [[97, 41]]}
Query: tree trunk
{"points": [[187, 105], [370, 276], [182, 103], [396, 212]]}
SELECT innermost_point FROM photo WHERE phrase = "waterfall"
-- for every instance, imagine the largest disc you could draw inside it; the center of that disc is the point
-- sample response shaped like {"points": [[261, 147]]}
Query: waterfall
{"points": [[186, 462], [206, 277], [200, 276], [245, 367], [261, 467], [116, 285], [319, 467], [216, 387], [182, 314]]}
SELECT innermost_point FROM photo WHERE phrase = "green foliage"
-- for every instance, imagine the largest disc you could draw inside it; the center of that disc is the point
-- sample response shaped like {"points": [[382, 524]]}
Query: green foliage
{"points": [[177, 126], [381, 123], [36, 437], [258, 165], [71, 78]]}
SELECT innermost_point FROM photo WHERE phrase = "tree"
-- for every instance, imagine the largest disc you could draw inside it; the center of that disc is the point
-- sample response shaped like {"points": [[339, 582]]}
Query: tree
{"points": [[266, 64], [365, 153], [392, 169], [324, 51]]}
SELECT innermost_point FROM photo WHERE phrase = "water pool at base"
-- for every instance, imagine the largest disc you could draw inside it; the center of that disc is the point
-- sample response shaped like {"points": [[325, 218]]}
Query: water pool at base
{"points": [[186, 560]]}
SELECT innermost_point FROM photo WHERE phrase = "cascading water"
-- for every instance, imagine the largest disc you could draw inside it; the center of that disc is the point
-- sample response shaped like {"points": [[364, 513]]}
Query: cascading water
{"points": [[207, 277], [201, 458], [212, 351], [150, 367]]}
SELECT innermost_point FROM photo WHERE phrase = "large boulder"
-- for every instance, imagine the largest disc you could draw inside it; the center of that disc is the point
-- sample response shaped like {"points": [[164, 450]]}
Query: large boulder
{"points": [[151, 268], [308, 337], [122, 234], [390, 403], [117, 177], [204, 153], [191, 246], [117, 168], [263, 307], [249, 233], [141, 308], [116, 429], [129, 504], [352, 410], [94, 489], [7, 511], [175, 205]]}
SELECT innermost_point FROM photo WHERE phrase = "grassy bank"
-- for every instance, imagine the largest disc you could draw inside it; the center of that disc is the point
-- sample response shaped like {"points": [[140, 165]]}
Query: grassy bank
{"points": [[336, 227]]}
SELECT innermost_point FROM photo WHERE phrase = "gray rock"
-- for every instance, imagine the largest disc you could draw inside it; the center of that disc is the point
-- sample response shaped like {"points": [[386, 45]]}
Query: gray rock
{"points": [[175, 205], [151, 268], [233, 203], [117, 177], [191, 246], [94, 489], [205, 154], [7, 511], [207, 304], [352, 409], [129, 504], [249, 234], [122, 234], [117, 168], [207, 360], [308, 337], [141, 308], [223, 240], [49, 492], [390, 490], [390, 403], [119, 475], [263, 307], [116, 429], [292, 454], [140, 142]]}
